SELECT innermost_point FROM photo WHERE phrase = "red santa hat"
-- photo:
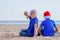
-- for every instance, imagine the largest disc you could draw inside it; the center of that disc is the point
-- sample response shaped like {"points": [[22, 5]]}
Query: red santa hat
{"points": [[47, 14]]}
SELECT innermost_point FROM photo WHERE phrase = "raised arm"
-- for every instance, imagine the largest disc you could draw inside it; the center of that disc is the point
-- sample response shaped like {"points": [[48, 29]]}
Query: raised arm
{"points": [[26, 14]]}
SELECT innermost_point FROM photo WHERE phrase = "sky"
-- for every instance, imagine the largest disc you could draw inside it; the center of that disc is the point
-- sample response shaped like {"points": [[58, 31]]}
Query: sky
{"points": [[14, 9]]}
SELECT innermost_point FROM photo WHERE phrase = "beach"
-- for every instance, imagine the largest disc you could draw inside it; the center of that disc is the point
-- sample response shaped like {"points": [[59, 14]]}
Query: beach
{"points": [[11, 32]]}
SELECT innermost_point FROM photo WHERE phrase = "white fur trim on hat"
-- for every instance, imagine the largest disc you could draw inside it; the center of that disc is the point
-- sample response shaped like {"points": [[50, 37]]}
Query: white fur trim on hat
{"points": [[47, 17]]}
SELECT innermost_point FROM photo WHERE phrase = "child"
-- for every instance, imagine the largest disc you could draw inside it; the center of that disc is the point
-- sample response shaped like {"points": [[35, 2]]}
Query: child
{"points": [[32, 29], [48, 26]]}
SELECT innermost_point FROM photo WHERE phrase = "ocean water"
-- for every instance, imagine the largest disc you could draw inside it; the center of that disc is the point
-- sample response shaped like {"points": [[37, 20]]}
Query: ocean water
{"points": [[20, 22]]}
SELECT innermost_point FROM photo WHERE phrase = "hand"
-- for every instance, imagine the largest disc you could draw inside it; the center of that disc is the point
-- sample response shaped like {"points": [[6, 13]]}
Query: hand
{"points": [[26, 13]]}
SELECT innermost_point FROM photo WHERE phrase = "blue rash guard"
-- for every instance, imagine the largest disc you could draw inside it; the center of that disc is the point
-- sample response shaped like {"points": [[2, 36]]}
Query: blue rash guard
{"points": [[31, 26], [48, 27]]}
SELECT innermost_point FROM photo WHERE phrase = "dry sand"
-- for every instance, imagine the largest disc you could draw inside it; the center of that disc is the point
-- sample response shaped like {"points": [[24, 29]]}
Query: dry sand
{"points": [[11, 32]]}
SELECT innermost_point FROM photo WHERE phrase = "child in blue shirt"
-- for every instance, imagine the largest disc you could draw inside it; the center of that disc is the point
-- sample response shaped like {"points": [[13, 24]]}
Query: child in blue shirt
{"points": [[48, 26], [32, 29]]}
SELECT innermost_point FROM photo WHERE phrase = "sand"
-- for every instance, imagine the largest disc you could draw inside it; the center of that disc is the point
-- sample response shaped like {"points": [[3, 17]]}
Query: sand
{"points": [[11, 32]]}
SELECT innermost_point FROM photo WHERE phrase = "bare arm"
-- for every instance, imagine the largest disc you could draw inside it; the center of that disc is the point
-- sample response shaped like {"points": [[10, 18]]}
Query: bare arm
{"points": [[26, 14], [56, 29], [39, 30], [35, 29]]}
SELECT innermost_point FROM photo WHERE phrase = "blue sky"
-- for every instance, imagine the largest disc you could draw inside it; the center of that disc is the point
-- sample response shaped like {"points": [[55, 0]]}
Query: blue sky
{"points": [[14, 9]]}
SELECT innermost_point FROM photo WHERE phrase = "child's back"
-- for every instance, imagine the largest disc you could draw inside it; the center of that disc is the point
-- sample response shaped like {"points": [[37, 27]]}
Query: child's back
{"points": [[48, 27]]}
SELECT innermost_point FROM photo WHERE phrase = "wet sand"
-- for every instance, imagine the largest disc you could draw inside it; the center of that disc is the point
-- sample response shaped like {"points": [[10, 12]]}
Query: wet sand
{"points": [[11, 32]]}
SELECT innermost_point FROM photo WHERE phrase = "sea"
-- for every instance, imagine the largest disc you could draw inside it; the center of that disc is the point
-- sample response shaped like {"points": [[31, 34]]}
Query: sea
{"points": [[24, 22]]}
